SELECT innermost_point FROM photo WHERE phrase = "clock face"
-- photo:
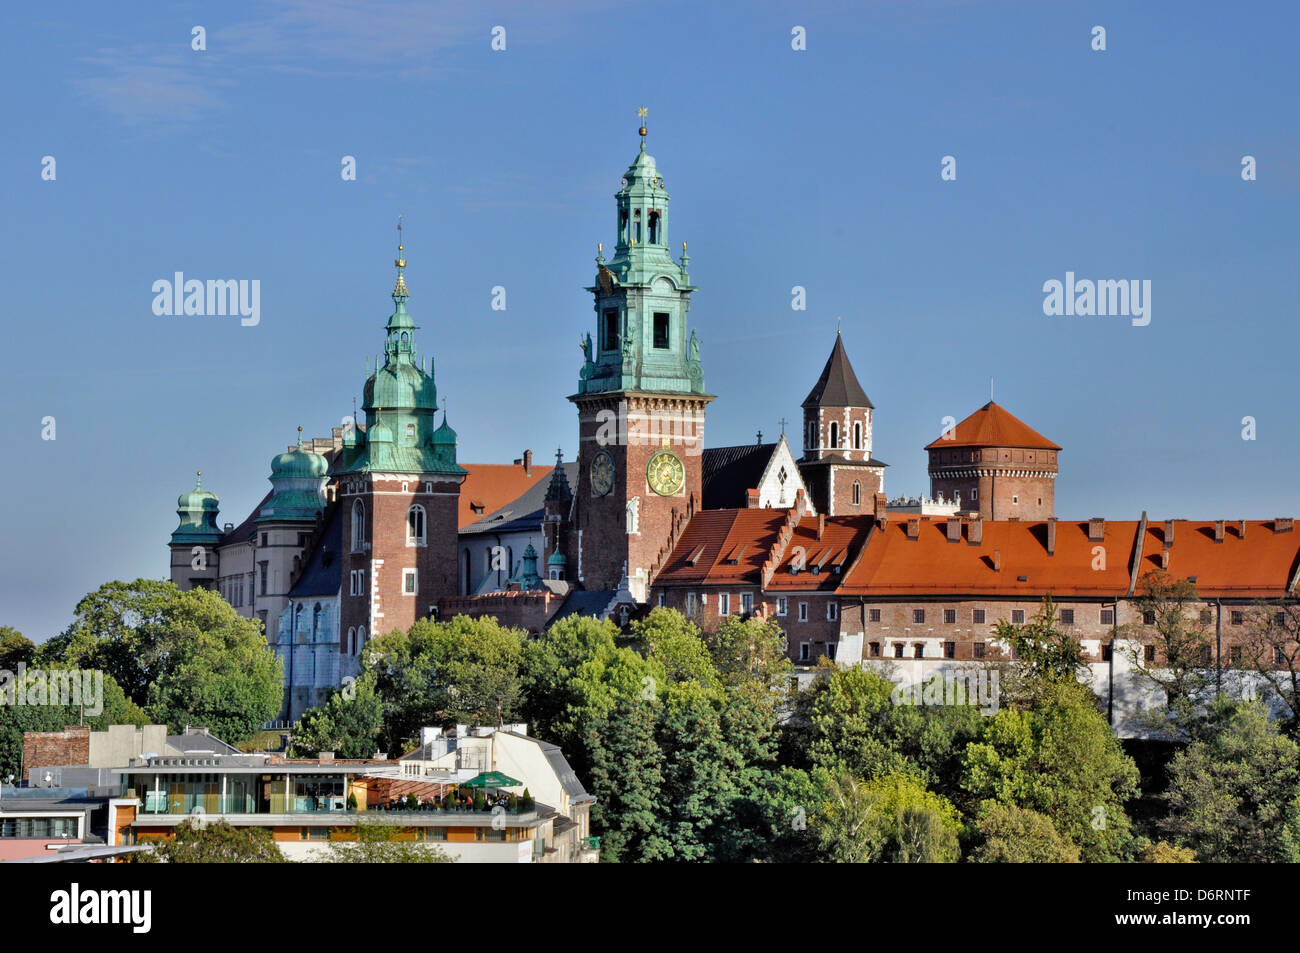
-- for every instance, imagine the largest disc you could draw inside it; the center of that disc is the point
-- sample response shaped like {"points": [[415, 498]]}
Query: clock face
{"points": [[665, 473], [602, 473]]}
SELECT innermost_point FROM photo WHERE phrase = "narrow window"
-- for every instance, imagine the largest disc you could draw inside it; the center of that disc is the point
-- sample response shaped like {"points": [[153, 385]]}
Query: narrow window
{"points": [[358, 525], [408, 582], [832, 611], [747, 602], [724, 603], [898, 650], [803, 651], [661, 330], [857, 436], [781, 605], [919, 650], [857, 493], [609, 330], [835, 436], [803, 612], [830, 650], [415, 526]]}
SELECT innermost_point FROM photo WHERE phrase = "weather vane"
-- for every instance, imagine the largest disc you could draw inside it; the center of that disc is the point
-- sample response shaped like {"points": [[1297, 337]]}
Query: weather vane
{"points": [[642, 112]]}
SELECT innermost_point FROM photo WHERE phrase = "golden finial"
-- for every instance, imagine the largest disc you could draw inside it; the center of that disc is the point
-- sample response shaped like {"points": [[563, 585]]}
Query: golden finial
{"points": [[838, 319], [401, 261], [642, 112]]}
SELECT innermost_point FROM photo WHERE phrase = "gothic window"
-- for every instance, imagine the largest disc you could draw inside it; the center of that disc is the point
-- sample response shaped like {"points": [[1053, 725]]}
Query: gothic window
{"points": [[609, 330], [835, 436], [857, 493], [315, 622], [636, 225], [857, 436], [361, 638], [415, 535], [661, 330], [352, 645], [358, 525]]}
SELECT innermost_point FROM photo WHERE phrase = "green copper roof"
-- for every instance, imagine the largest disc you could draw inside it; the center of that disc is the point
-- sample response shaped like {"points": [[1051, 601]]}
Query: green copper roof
{"points": [[197, 510], [400, 404], [298, 480], [643, 339]]}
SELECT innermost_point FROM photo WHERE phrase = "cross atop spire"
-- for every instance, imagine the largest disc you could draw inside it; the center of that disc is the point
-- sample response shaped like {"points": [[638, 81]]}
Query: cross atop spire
{"points": [[642, 112]]}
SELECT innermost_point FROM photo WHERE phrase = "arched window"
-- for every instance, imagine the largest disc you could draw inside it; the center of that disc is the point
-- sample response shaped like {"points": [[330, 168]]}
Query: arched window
{"points": [[654, 227], [358, 526], [835, 436], [352, 643], [315, 623], [812, 434], [857, 493], [857, 436], [361, 638], [415, 526]]}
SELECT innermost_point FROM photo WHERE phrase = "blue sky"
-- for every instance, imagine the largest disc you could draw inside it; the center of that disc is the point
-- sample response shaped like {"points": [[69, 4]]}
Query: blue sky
{"points": [[817, 168]]}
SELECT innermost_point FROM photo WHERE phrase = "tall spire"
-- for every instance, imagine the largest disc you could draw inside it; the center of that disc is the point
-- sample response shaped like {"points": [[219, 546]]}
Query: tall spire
{"points": [[399, 290]]}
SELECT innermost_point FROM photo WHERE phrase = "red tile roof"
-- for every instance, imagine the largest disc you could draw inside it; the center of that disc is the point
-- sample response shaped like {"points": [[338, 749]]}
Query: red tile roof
{"points": [[879, 559], [492, 486], [993, 426]]}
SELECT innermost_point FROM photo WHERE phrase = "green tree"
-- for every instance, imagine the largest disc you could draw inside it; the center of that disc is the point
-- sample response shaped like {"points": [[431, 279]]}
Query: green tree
{"points": [[15, 648], [893, 818], [1007, 834], [626, 776], [219, 843], [1042, 653], [1232, 793], [381, 842], [186, 657], [465, 670], [348, 724], [1058, 757]]}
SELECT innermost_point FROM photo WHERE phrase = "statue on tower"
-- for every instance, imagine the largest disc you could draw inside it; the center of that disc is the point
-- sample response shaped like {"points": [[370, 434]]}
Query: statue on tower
{"points": [[587, 365]]}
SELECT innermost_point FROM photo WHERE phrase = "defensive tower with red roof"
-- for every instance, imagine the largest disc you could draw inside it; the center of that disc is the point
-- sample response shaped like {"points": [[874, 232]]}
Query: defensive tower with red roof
{"points": [[998, 465]]}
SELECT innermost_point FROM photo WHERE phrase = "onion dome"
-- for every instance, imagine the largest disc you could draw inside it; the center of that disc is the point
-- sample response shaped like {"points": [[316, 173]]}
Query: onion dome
{"points": [[197, 510], [298, 479]]}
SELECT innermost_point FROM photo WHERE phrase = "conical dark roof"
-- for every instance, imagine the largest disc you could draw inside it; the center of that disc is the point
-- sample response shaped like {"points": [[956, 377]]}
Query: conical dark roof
{"points": [[838, 386]]}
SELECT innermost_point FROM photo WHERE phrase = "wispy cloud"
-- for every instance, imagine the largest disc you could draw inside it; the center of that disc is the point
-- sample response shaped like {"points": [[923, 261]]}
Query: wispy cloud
{"points": [[138, 88]]}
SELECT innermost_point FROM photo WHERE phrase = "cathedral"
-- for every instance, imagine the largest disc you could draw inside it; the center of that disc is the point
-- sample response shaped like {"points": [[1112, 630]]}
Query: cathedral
{"points": [[378, 525]]}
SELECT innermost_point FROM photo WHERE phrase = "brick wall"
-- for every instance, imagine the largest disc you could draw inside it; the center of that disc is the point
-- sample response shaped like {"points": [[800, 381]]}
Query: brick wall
{"points": [[1000, 482], [47, 748]]}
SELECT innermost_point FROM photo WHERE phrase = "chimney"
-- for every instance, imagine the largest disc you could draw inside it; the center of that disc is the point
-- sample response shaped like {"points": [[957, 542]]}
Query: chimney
{"points": [[913, 529], [1218, 531], [1164, 558], [1241, 530], [954, 529], [881, 507], [528, 463], [1096, 529], [975, 530], [997, 560], [1169, 532], [751, 499], [1051, 536], [821, 525], [1283, 524]]}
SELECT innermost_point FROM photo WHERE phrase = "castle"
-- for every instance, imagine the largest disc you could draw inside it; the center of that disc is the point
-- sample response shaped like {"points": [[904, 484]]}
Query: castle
{"points": [[379, 524]]}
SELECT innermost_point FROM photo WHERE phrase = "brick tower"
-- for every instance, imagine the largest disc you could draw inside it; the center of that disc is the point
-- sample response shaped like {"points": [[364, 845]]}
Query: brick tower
{"points": [[997, 464], [841, 475], [641, 397], [399, 485]]}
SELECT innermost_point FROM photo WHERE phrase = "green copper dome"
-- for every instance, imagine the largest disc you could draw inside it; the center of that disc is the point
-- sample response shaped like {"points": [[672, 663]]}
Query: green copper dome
{"points": [[298, 479], [197, 510], [557, 559], [401, 385]]}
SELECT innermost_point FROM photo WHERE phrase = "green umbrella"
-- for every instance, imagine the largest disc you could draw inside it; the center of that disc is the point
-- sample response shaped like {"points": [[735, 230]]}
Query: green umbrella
{"points": [[492, 779]]}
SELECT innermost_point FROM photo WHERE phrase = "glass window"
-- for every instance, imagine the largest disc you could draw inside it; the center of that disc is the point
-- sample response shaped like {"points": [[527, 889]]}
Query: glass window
{"points": [[415, 526], [609, 330]]}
